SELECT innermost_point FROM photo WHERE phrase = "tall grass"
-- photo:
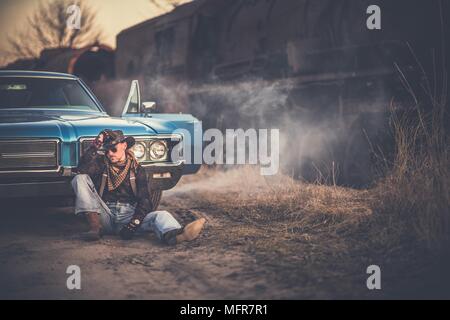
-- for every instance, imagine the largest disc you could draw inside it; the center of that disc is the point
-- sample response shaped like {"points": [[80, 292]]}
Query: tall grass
{"points": [[417, 187]]}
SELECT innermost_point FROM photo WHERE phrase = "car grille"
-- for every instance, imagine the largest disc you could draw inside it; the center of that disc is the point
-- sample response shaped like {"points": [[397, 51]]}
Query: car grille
{"points": [[85, 144], [21, 155]]}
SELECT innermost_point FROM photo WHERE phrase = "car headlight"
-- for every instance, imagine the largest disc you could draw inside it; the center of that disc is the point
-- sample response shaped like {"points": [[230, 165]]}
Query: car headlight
{"points": [[158, 150], [139, 150]]}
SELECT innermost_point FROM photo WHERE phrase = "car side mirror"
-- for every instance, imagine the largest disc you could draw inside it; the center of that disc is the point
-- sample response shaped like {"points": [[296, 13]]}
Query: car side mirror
{"points": [[149, 106]]}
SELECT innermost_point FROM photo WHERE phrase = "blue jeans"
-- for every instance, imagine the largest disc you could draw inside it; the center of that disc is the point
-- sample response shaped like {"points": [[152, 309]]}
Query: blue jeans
{"points": [[115, 215]]}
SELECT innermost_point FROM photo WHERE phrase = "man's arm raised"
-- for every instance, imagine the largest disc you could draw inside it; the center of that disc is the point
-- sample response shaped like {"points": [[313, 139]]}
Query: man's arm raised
{"points": [[91, 163]]}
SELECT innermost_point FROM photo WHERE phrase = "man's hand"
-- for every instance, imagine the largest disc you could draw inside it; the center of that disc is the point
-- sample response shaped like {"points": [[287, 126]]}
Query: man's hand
{"points": [[98, 142], [128, 231]]}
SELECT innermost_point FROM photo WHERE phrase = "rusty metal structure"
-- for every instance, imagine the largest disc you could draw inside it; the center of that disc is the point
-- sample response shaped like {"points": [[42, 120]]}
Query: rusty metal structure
{"points": [[329, 69]]}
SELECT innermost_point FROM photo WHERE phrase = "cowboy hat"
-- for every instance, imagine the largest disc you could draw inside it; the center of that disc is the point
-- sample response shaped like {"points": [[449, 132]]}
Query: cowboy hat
{"points": [[113, 137]]}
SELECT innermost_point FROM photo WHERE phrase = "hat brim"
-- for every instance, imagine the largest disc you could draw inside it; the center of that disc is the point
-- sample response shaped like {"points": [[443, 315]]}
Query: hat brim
{"points": [[129, 140]]}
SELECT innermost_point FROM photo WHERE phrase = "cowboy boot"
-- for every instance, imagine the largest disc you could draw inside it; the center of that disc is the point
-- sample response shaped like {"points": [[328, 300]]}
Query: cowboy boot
{"points": [[191, 230], [94, 227]]}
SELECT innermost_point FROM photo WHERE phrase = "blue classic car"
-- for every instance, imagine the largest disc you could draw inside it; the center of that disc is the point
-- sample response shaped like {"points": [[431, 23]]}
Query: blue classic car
{"points": [[47, 120]]}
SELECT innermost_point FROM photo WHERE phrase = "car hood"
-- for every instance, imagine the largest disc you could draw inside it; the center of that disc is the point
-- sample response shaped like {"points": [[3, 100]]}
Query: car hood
{"points": [[66, 125]]}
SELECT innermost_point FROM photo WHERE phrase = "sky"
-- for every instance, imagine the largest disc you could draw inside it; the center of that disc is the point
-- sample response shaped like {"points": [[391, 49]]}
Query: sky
{"points": [[113, 15]]}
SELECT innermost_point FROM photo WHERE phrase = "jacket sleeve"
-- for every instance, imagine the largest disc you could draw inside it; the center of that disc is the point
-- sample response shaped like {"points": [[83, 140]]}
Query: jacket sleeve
{"points": [[91, 163], [144, 203]]}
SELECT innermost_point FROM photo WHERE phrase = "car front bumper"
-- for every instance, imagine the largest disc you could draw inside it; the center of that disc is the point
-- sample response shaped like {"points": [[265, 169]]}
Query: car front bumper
{"points": [[161, 176]]}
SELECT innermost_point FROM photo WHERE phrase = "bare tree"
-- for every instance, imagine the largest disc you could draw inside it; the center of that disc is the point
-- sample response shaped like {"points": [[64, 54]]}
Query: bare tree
{"points": [[47, 28]]}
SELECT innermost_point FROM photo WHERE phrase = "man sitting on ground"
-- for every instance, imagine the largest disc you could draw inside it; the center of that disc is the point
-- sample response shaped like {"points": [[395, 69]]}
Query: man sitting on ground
{"points": [[112, 191]]}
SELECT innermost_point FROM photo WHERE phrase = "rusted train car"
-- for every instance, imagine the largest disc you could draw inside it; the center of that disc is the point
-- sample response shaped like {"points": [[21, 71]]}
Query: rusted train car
{"points": [[309, 67]]}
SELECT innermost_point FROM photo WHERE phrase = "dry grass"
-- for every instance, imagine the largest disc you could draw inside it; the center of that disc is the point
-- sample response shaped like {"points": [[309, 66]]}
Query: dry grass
{"points": [[314, 233], [417, 189], [302, 232]]}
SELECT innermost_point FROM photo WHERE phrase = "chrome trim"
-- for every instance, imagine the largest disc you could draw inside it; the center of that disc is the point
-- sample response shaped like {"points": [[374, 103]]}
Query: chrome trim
{"points": [[162, 136], [164, 164], [161, 175], [134, 83], [37, 183], [176, 136], [28, 155], [58, 156], [36, 76], [67, 172], [166, 151]]}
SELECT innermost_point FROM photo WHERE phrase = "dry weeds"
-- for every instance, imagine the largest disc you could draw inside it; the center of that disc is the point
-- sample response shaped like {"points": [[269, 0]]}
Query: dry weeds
{"points": [[309, 234]]}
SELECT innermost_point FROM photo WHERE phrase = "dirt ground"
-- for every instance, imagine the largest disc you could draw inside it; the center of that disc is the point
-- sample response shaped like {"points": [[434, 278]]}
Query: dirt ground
{"points": [[259, 243]]}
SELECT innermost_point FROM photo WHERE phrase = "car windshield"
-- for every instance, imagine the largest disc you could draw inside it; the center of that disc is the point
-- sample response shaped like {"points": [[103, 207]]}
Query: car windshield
{"points": [[36, 92]]}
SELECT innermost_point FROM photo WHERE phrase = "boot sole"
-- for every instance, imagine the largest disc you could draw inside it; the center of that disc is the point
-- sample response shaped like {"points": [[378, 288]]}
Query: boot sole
{"points": [[192, 230]]}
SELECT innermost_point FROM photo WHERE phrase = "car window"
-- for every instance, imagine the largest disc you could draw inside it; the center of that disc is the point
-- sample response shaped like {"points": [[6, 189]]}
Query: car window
{"points": [[23, 92]]}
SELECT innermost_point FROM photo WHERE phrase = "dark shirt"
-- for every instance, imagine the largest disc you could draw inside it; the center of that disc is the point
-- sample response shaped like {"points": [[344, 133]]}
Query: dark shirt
{"points": [[93, 164]]}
